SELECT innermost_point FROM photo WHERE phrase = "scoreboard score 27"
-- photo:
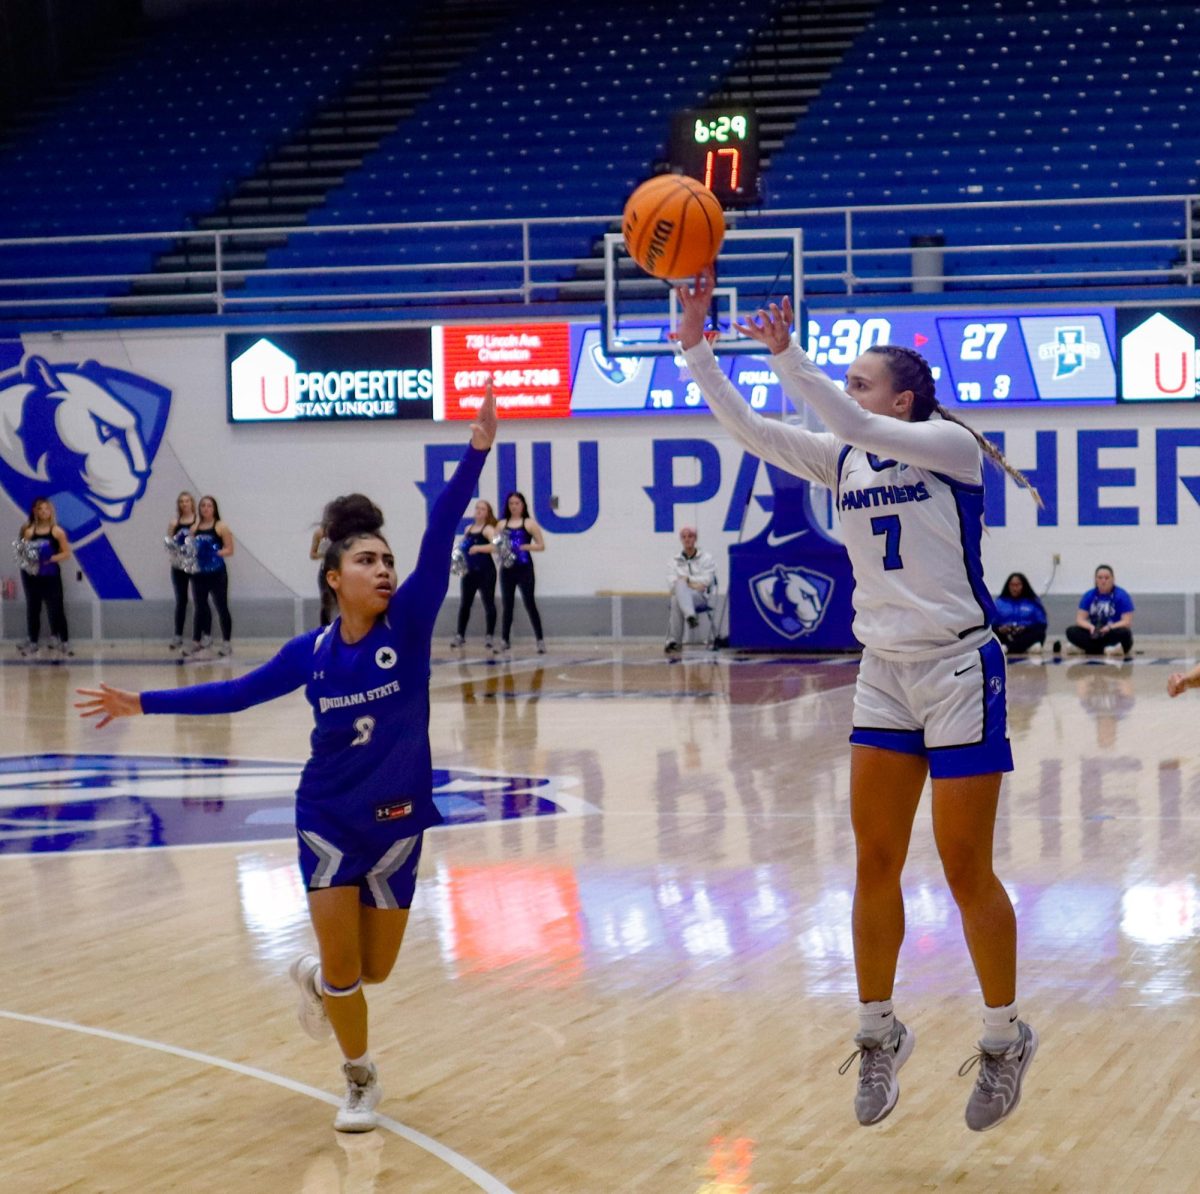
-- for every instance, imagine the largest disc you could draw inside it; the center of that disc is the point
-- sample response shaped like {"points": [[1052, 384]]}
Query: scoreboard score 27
{"points": [[985, 357]]}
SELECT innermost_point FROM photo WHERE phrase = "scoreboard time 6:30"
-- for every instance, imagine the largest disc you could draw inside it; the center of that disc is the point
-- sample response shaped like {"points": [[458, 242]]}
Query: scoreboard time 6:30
{"points": [[985, 357]]}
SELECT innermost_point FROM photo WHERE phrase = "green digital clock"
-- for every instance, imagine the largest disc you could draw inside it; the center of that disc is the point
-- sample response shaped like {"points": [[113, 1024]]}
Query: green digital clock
{"points": [[719, 147], [729, 126]]}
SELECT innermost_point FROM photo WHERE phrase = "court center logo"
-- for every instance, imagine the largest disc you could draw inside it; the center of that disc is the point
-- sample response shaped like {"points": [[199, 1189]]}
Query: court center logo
{"points": [[60, 802], [85, 435], [791, 599]]}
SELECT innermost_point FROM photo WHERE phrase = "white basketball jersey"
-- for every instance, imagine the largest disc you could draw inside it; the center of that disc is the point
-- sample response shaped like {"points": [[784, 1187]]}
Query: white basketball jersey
{"points": [[913, 536], [912, 530]]}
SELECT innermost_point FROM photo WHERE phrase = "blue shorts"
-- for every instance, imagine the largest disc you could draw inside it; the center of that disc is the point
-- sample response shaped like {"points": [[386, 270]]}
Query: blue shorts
{"points": [[952, 710], [385, 872]]}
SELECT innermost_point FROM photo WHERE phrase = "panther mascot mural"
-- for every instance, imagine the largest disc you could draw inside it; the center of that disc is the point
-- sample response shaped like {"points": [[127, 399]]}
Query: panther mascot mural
{"points": [[85, 435]]}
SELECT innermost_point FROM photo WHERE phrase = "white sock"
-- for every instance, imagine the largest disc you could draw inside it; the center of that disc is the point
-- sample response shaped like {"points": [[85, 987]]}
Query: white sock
{"points": [[1000, 1026], [364, 1061], [876, 1021]]}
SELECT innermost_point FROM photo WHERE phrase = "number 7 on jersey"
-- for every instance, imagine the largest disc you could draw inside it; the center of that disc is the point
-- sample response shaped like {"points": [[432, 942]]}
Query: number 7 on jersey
{"points": [[888, 525]]}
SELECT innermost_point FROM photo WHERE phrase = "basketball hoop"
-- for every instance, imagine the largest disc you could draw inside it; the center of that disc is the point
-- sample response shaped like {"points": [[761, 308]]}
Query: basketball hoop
{"points": [[710, 334]]}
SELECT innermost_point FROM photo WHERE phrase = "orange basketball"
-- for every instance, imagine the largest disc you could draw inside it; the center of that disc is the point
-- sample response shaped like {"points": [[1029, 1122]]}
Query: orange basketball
{"points": [[673, 226]]}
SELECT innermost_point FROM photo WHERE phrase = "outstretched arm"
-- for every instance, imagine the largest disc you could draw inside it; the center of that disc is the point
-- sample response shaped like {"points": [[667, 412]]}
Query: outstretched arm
{"points": [[938, 444], [426, 585], [286, 672], [807, 454], [1178, 681]]}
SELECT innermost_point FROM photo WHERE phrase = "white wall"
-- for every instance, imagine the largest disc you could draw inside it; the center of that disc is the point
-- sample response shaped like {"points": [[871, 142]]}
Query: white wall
{"points": [[272, 480]]}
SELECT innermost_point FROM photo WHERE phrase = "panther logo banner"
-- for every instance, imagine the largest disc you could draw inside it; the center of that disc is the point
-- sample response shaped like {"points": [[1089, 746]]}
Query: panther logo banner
{"points": [[792, 600], [85, 435]]}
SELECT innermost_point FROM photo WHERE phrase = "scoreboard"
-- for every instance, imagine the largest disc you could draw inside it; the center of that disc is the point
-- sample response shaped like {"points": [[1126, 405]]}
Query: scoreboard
{"points": [[985, 357], [558, 369]]}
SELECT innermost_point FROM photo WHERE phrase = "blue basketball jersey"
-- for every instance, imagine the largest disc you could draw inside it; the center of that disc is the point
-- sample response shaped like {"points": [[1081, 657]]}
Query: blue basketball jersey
{"points": [[369, 766]]}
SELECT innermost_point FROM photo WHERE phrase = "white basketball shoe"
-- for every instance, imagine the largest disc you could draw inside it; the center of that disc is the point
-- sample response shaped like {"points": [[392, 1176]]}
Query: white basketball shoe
{"points": [[311, 1009]]}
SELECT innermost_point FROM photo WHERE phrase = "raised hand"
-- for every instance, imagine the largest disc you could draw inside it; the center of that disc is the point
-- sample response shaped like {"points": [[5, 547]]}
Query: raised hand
{"points": [[694, 302], [108, 703], [771, 326], [483, 429]]}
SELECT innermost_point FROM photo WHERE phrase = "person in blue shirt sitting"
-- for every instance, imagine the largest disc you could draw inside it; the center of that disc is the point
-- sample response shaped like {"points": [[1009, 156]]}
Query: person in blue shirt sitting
{"points": [[365, 795], [1020, 623], [1104, 617]]}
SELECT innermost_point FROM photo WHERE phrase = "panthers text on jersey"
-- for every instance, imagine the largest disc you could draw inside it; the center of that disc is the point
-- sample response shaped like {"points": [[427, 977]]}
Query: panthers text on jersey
{"points": [[909, 498]]}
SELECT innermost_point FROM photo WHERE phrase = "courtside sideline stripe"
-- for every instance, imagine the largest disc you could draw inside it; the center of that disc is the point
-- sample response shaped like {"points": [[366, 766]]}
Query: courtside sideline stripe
{"points": [[468, 1169]]}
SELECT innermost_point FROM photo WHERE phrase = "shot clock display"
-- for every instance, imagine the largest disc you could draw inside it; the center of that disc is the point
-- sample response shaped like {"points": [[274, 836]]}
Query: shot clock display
{"points": [[719, 147], [986, 357]]}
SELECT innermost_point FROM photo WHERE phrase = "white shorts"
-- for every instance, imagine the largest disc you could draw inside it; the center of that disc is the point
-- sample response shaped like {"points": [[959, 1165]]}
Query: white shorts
{"points": [[954, 711]]}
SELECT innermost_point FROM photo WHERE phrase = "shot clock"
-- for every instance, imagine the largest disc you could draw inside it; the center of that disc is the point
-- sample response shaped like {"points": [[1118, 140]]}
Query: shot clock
{"points": [[719, 147]]}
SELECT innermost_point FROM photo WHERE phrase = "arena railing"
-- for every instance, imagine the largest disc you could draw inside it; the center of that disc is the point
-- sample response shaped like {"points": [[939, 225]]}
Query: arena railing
{"points": [[843, 256]]}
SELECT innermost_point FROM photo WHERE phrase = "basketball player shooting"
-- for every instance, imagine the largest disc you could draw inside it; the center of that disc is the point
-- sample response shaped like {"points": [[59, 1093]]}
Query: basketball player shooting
{"points": [[930, 692]]}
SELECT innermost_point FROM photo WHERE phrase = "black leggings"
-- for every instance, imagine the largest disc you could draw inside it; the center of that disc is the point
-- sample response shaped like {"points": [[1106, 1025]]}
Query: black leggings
{"points": [[483, 582], [47, 591], [179, 582], [1019, 639], [216, 586], [1094, 644], [519, 576]]}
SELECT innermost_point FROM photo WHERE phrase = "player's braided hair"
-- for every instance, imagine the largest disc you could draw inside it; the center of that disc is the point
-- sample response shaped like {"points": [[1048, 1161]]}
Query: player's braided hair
{"points": [[347, 518], [910, 371]]}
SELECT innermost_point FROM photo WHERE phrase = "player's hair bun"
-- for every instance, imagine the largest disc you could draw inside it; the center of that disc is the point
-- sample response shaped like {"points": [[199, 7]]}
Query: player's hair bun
{"points": [[351, 515]]}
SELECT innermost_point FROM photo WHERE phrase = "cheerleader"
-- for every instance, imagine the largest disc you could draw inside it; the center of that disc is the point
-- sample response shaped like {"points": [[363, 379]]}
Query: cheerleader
{"points": [[480, 574], [524, 536], [45, 587], [214, 545], [178, 530], [930, 695], [366, 793]]}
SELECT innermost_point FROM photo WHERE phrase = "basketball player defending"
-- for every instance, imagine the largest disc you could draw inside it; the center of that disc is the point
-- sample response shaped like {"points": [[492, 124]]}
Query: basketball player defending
{"points": [[930, 694], [365, 795]]}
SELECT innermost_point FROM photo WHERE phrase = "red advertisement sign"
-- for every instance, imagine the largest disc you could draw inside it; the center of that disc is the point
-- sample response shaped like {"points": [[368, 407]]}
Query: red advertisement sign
{"points": [[529, 363]]}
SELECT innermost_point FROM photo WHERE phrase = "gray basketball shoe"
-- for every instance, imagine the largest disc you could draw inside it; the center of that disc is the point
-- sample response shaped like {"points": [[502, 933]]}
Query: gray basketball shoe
{"points": [[998, 1083], [878, 1087], [363, 1092]]}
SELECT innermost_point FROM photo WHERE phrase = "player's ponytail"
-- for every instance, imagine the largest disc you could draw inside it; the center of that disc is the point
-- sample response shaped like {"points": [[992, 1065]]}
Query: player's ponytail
{"points": [[910, 371], [347, 518]]}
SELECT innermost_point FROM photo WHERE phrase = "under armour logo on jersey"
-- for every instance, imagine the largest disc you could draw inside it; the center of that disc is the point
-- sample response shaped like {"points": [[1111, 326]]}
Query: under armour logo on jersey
{"points": [[385, 657]]}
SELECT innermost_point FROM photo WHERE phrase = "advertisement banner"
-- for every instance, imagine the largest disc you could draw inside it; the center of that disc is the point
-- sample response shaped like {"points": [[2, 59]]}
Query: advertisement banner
{"points": [[529, 365], [329, 376]]}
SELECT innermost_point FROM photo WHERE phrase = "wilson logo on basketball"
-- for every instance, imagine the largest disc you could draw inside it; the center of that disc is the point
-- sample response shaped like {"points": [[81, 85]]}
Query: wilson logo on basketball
{"points": [[659, 241], [673, 226]]}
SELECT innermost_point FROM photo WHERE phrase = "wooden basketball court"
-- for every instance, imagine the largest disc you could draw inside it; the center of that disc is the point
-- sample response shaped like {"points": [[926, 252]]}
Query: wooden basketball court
{"points": [[636, 977]]}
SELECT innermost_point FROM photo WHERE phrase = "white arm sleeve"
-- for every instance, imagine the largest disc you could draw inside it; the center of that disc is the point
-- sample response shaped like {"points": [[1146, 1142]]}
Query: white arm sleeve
{"points": [[809, 454], [935, 444]]}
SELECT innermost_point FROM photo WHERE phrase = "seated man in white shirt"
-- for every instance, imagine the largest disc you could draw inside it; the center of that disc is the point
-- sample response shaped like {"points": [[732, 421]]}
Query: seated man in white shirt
{"points": [[692, 579]]}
